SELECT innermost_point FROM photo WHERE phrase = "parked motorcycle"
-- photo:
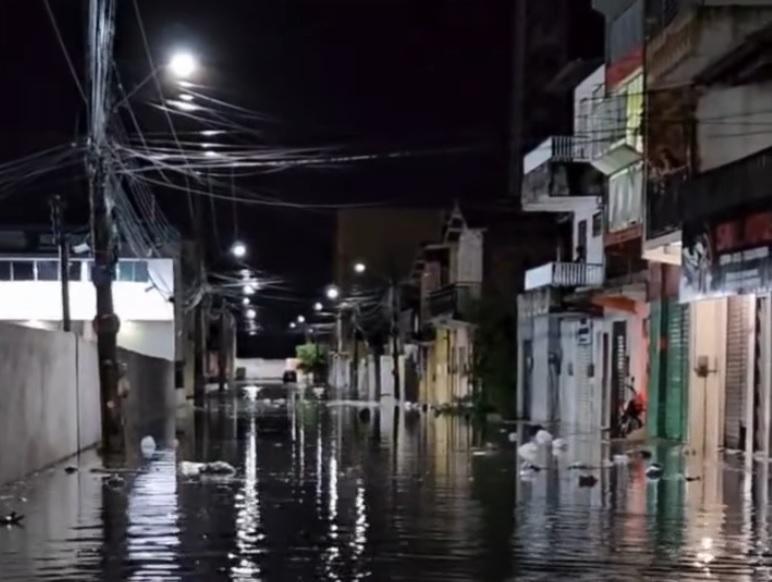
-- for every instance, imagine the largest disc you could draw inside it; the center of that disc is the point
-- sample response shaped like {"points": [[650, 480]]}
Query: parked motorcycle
{"points": [[631, 417]]}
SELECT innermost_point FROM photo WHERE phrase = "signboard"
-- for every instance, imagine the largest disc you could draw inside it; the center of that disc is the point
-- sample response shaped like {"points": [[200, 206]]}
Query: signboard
{"points": [[730, 256]]}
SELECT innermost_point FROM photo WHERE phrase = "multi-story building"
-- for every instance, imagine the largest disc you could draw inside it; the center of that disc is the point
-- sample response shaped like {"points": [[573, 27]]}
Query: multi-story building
{"points": [[472, 270], [31, 292], [708, 158]]}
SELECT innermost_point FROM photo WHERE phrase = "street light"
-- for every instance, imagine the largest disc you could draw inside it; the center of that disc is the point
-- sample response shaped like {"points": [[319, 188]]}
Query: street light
{"points": [[360, 268], [333, 293], [318, 306], [251, 313], [248, 290], [293, 325], [239, 250], [245, 301], [182, 65], [301, 319]]}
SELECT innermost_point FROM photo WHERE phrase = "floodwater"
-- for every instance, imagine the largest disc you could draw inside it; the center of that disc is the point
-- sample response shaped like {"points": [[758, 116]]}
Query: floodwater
{"points": [[400, 496]]}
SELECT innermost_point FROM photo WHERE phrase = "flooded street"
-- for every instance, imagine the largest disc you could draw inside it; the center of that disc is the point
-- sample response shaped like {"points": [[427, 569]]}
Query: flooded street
{"points": [[397, 496]]}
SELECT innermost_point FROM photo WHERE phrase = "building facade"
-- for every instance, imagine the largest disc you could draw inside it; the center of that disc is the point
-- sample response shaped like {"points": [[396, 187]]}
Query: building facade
{"points": [[143, 289]]}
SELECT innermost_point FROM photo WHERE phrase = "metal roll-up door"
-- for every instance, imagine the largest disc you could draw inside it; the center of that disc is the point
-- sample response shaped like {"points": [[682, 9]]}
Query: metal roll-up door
{"points": [[655, 413], [540, 374], [588, 398], [677, 362], [567, 389], [737, 330]]}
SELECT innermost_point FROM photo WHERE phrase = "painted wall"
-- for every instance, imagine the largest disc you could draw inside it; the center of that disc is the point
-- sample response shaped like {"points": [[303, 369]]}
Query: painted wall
{"points": [[41, 300], [706, 395], [150, 338], [469, 257], [731, 124], [49, 397], [586, 95]]}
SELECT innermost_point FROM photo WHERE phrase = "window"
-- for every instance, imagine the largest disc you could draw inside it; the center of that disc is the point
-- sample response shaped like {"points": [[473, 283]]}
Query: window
{"points": [[581, 234], [141, 272], [23, 270], [76, 273], [125, 271], [597, 224], [48, 270]]}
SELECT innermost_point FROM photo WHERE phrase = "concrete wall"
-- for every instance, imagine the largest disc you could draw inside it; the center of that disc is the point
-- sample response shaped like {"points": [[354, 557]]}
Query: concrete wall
{"points": [[49, 397], [733, 124], [260, 368]]}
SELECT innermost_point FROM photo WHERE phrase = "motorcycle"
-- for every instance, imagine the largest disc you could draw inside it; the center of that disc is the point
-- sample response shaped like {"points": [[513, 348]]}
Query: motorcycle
{"points": [[631, 417]]}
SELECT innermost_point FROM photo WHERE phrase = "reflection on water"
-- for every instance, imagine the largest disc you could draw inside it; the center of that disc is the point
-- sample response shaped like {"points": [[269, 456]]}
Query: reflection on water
{"points": [[398, 497]]}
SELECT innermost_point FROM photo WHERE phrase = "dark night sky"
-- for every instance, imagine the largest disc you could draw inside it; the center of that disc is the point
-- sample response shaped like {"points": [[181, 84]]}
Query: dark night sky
{"points": [[391, 75]]}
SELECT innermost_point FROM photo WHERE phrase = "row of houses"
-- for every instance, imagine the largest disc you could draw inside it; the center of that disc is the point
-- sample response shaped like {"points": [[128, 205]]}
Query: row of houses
{"points": [[652, 271], [664, 178]]}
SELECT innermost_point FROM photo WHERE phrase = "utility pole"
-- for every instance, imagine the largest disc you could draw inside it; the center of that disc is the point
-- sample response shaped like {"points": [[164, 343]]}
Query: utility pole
{"points": [[106, 324], [395, 301], [199, 387], [62, 241], [222, 352]]}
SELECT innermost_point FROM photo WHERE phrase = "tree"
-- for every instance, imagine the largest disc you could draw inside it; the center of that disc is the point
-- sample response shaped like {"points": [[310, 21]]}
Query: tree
{"points": [[312, 358], [494, 352]]}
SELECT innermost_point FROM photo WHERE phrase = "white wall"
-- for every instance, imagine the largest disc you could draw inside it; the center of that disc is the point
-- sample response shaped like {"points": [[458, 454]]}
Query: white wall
{"points": [[595, 248], [259, 368], [586, 96], [469, 266], [734, 123], [149, 338], [41, 300]]}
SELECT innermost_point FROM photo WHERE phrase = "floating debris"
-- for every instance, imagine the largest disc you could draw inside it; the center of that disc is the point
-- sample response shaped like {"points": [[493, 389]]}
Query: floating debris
{"points": [[588, 480], [12, 519], [70, 470]]}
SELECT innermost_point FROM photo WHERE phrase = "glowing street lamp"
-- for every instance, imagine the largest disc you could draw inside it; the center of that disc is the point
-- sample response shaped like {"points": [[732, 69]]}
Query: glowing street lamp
{"points": [[360, 268], [293, 325], [333, 293], [248, 290], [239, 250], [301, 319], [251, 314], [318, 306], [182, 65], [245, 301]]}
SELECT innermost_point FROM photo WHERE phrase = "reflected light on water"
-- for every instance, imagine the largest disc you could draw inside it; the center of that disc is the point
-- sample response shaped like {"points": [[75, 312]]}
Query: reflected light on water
{"points": [[153, 531], [248, 520], [360, 529]]}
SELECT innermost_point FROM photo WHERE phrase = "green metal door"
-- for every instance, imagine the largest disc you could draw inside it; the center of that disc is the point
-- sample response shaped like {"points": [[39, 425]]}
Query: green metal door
{"points": [[655, 417], [676, 389]]}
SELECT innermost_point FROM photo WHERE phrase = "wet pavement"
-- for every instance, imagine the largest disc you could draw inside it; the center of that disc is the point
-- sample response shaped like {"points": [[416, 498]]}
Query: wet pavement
{"points": [[400, 496]]}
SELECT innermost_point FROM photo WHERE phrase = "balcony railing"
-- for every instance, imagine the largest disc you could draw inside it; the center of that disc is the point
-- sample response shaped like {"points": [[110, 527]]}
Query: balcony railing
{"points": [[559, 148], [664, 213], [564, 275], [453, 302], [746, 181], [555, 185], [617, 141]]}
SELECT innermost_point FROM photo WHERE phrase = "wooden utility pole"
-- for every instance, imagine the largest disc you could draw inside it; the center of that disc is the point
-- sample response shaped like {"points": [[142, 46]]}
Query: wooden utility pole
{"points": [[63, 243], [106, 323]]}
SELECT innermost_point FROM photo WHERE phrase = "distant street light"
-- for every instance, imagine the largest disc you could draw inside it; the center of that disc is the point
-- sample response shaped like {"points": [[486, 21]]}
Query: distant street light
{"points": [[333, 293], [293, 325], [251, 313], [248, 290], [318, 306], [360, 268], [301, 319], [182, 65], [245, 301], [239, 250]]}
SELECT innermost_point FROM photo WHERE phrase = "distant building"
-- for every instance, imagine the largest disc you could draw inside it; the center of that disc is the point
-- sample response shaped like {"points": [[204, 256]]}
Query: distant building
{"points": [[143, 292]]}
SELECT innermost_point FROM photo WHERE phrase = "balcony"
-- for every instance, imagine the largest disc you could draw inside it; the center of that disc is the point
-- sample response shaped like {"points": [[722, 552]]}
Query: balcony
{"points": [[684, 39], [663, 205], [453, 302], [746, 182], [557, 176], [564, 275], [616, 127]]}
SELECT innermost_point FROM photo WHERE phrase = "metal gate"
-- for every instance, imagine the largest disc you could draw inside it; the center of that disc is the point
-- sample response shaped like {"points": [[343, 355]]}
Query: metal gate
{"points": [[677, 370], [735, 381], [619, 370]]}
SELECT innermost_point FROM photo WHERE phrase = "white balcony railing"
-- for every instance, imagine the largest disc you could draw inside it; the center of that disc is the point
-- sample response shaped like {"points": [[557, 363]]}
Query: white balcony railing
{"points": [[558, 148], [564, 275]]}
